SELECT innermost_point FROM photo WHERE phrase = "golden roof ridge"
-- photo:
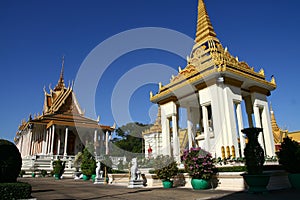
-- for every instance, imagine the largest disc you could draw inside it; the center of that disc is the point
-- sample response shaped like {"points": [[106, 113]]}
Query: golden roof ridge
{"points": [[205, 30]]}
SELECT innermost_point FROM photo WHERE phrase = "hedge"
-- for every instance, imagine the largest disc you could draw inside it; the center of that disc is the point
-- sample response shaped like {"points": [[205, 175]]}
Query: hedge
{"points": [[12, 191]]}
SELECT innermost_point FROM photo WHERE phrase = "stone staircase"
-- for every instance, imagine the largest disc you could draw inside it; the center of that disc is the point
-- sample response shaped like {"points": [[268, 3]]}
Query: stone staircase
{"points": [[36, 164]]}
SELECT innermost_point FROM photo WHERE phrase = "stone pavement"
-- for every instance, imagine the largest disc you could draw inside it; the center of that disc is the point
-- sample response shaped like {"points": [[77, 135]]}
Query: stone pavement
{"points": [[69, 189]]}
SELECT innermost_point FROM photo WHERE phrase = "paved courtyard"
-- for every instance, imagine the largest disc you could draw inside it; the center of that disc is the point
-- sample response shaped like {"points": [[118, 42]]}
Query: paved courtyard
{"points": [[69, 189]]}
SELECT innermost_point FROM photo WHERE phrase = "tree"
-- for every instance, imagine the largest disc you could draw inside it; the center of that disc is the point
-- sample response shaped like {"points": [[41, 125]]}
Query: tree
{"points": [[130, 138]]}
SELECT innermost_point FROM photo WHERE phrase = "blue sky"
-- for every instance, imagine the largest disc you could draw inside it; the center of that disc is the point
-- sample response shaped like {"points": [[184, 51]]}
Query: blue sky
{"points": [[35, 34]]}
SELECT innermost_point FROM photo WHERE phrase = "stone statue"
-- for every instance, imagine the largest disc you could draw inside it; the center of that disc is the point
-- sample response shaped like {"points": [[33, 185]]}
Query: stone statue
{"points": [[134, 172], [99, 172]]}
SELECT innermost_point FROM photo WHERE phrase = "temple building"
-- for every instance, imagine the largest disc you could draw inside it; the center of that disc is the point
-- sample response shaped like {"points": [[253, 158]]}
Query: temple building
{"points": [[280, 134], [62, 129], [217, 91]]}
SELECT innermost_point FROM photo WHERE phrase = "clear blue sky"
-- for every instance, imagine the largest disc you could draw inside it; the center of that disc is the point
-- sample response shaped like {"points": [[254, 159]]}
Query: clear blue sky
{"points": [[35, 34]]}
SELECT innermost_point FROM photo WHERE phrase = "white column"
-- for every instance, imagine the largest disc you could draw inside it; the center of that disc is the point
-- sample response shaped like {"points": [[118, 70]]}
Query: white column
{"points": [[240, 127], [49, 140], [166, 150], [52, 140], [258, 125], [106, 143], [95, 140], [66, 142], [58, 143], [267, 133], [176, 145], [33, 143], [190, 127], [44, 142], [205, 126]]}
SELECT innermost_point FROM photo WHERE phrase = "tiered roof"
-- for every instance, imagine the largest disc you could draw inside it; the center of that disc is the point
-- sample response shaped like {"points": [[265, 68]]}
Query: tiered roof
{"points": [[62, 108], [207, 60]]}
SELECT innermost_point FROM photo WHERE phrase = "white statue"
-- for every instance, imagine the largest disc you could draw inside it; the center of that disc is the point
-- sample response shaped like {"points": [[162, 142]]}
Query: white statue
{"points": [[134, 173], [99, 172]]}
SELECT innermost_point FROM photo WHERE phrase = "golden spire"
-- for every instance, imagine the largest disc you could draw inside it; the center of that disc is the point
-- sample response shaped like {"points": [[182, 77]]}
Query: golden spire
{"points": [[61, 83], [205, 30]]}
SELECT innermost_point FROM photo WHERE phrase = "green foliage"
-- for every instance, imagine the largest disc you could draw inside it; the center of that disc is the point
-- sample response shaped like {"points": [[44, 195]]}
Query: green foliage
{"points": [[22, 172], [114, 171], [254, 153], [289, 155], [10, 161], [78, 159], [232, 169], [199, 163], [16, 190], [88, 163], [44, 172], [130, 139], [165, 167], [58, 167]]}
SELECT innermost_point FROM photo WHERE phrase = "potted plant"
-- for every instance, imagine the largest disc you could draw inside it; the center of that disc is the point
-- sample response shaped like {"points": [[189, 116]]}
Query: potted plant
{"points": [[43, 173], [289, 158], [201, 167], [58, 168], [88, 164], [256, 180], [22, 173], [165, 169]]}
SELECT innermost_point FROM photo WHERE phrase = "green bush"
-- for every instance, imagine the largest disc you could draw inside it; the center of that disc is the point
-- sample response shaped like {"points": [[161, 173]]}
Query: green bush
{"points": [[16, 190], [58, 167], [232, 169], [88, 163], [10, 162], [165, 167], [289, 155]]}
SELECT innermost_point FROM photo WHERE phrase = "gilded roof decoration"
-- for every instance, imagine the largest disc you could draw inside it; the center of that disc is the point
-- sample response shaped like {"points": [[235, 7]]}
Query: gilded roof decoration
{"points": [[209, 57]]}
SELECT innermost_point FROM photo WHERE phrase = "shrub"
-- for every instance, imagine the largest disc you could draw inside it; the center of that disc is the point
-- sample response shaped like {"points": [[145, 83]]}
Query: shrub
{"points": [[199, 163], [22, 173], [16, 190], [88, 163], [58, 167], [10, 161], [289, 155], [165, 167]]}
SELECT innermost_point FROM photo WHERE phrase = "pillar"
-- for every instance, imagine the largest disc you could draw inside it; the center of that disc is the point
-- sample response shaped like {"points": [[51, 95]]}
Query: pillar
{"points": [[58, 143], [190, 127], [268, 134], [95, 140], [205, 126], [66, 142], [240, 127], [52, 140], [176, 145], [166, 150], [257, 118], [106, 143]]}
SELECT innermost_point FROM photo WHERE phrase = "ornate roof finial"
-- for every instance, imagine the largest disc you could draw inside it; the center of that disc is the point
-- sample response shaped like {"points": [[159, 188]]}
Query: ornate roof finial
{"points": [[205, 30], [61, 83]]}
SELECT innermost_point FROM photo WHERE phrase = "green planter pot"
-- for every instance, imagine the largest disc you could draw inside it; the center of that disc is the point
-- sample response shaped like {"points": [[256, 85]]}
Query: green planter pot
{"points": [[295, 180], [199, 184], [56, 176], [167, 184], [257, 183], [86, 177], [93, 177]]}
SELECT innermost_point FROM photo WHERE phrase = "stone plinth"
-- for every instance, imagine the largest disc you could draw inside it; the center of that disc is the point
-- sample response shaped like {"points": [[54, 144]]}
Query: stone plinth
{"points": [[135, 184], [99, 181]]}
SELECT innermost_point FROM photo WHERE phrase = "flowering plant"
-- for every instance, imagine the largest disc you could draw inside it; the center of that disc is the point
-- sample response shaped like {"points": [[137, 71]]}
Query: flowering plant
{"points": [[199, 163]]}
